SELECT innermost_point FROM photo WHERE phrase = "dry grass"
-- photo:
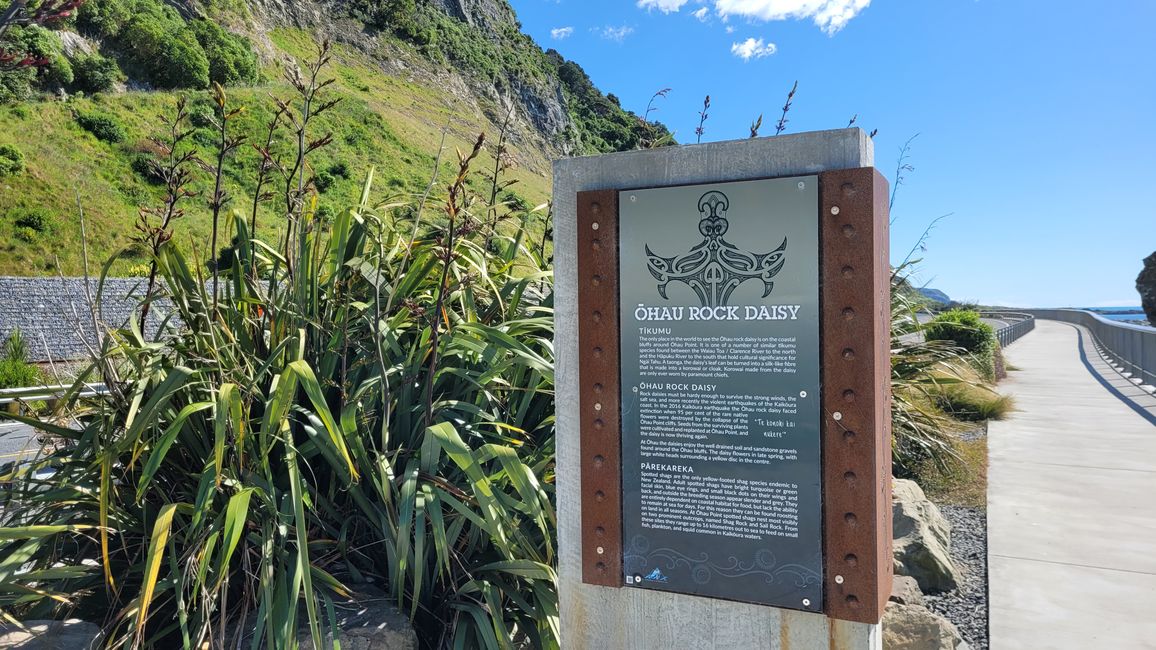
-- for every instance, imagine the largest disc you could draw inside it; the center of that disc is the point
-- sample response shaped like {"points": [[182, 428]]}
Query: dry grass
{"points": [[964, 481], [967, 398]]}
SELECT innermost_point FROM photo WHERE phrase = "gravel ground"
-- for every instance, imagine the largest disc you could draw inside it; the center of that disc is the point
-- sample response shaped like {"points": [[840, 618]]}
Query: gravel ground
{"points": [[967, 605]]}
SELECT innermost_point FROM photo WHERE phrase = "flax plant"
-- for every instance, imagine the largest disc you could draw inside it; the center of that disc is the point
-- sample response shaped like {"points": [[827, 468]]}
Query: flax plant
{"points": [[377, 414], [920, 369]]}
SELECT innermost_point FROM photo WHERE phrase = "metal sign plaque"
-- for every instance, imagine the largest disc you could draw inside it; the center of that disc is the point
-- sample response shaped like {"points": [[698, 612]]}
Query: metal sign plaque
{"points": [[720, 404]]}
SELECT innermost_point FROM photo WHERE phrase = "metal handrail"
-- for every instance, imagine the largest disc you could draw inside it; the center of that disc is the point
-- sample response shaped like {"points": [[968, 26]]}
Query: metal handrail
{"points": [[1132, 347], [1019, 324], [37, 393]]}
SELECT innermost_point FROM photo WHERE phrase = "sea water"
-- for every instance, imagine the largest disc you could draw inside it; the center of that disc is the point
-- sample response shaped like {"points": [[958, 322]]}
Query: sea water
{"points": [[1123, 314]]}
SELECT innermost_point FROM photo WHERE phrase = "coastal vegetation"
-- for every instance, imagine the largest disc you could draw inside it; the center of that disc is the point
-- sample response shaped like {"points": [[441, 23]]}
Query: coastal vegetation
{"points": [[367, 402]]}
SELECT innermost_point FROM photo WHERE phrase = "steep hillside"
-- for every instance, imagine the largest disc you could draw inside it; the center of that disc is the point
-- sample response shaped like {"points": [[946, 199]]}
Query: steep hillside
{"points": [[404, 71]]}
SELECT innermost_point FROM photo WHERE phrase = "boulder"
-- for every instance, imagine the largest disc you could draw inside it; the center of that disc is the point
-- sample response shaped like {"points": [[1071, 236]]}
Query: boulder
{"points": [[369, 622], [922, 539], [905, 591], [911, 627], [72, 634], [1146, 285]]}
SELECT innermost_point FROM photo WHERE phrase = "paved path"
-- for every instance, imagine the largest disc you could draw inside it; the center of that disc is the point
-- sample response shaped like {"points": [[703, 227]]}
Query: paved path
{"points": [[16, 441], [1071, 502]]}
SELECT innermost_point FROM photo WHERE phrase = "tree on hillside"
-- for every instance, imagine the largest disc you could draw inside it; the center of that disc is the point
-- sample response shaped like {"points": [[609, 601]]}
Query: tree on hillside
{"points": [[1146, 285], [30, 12]]}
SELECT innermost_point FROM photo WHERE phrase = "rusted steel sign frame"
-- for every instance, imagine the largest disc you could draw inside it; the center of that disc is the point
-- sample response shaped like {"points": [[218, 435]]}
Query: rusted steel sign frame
{"points": [[855, 353], [601, 431], [855, 372]]}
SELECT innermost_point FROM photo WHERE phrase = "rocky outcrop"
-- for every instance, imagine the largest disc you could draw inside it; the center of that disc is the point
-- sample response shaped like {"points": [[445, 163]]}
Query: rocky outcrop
{"points": [[74, 45], [1146, 285], [72, 634], [489, 15], [922, 538], [912, 627], [541, 117]]}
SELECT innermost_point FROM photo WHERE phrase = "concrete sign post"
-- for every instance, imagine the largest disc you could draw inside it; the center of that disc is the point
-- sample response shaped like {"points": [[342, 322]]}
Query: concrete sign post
{"points": [[722, 316]]}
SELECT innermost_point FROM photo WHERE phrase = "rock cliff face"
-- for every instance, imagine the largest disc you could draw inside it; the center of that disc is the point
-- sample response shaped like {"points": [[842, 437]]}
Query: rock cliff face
{"points": [[484, 14], [540, 111], [1146, 285]]}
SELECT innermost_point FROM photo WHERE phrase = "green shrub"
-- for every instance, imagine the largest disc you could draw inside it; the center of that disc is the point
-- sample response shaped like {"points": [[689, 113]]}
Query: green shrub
{"points": [[11, 159], [515, 201], [105, 127], [323, 181], [206, 138], [161, 48], [202, 115], [145, 167], [167, 51], [15, 371], [16, 85], [35, 219], [40, 43], [17, 374], [232, 60], [26, 234], [340, 169], [95, 73], [964, 328], [15, 347], [104, 18]]}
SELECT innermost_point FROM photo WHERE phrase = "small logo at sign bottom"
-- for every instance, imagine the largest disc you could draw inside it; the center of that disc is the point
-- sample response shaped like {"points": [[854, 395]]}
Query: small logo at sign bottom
{"points": [[656, 576]]}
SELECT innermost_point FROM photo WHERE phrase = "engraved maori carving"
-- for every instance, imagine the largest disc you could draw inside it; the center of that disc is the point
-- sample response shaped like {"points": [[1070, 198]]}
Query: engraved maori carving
{"points": [[714, 268]]}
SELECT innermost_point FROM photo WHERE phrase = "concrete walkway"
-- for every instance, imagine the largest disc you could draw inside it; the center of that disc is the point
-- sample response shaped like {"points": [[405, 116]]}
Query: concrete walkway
{"points": [[1071, 502], [16, 441]]}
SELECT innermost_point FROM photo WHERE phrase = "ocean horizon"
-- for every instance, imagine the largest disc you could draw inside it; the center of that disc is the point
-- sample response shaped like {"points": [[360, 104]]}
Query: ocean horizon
{"points": [[1133, 314]]}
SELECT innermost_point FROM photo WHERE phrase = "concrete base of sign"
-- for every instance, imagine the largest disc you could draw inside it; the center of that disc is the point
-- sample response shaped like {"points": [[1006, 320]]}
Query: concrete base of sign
{"points": [[600, 617]]}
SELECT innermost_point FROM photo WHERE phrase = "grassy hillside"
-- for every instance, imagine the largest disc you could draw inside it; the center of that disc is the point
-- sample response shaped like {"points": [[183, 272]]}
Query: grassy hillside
{"points": [[382, 121], [400, 87]]}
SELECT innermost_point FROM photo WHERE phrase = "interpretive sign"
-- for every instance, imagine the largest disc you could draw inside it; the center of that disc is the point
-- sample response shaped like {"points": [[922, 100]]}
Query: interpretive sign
{"points": [[719, 362], [723, 395]]}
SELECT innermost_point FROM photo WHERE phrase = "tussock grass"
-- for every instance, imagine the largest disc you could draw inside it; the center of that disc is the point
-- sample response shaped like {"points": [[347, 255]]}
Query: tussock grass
{"points": [[963, 481], [964, 396]]}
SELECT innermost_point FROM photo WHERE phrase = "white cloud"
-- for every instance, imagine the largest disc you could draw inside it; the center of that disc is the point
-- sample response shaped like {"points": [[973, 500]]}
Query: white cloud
{"points": [[617, 34], [730, 29], [753, 48], [829, 15], [701, 13], [559, 33], [665, 6]]}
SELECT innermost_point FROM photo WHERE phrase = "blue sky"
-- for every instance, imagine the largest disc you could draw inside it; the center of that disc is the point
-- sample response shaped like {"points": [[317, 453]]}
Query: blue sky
{"points": [[1035, 119]]}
